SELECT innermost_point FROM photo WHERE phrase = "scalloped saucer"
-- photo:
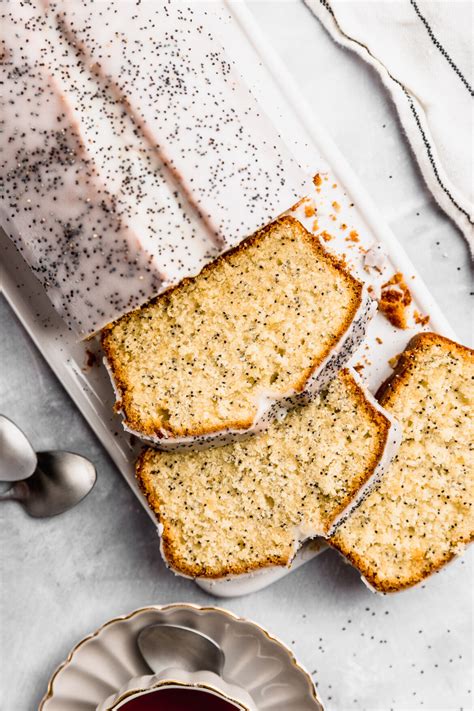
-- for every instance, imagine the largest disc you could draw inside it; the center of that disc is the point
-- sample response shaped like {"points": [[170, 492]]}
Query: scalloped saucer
{"points": [[103, 662]]}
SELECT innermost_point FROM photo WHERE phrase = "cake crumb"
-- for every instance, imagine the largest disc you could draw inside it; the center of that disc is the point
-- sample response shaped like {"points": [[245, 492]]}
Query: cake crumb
{"points": [[379, 340], [310, 209], [336, 206], [393, 362], [343, 226], [420, 319], [326, 236], [343, 261], [91, 360], [315, 226], [359, 367], [297, 204], [317, 180], [374, 259], [394, 300], [353, 236]]}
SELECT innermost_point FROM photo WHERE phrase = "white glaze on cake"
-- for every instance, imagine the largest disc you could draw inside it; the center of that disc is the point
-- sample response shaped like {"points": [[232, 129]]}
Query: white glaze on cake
{"points": [[133, 152]]}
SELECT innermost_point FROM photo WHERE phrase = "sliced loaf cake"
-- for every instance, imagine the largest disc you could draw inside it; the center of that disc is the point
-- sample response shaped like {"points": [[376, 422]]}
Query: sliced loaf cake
{"points": [[217, 352], [248, 505], [422, 512]]}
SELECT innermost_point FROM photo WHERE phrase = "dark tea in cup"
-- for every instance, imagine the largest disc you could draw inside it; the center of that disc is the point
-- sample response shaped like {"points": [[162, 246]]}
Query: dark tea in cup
{"points": [[176, 699]]}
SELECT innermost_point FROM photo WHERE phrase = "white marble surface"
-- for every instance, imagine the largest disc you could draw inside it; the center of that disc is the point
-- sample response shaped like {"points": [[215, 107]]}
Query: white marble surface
{"points": [[63, 577]]}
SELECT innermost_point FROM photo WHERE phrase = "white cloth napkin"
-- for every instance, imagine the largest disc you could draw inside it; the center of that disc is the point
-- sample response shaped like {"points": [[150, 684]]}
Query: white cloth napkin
{"points": [[423, 52]]}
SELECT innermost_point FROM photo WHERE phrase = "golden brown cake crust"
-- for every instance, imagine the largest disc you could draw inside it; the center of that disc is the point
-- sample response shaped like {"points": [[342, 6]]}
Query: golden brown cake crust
{"points": [[150, 426], [407, 359], [388, 586], [171, 546], [386, 394]]}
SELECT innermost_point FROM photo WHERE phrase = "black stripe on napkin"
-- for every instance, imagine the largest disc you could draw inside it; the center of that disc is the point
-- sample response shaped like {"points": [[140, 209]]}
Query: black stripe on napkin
{"points": [[440, 47], [416, 116]]}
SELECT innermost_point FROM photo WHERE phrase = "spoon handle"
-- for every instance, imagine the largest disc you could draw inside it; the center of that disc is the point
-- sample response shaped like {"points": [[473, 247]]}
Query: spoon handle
{"points": [[10, 495], [17, 492]]}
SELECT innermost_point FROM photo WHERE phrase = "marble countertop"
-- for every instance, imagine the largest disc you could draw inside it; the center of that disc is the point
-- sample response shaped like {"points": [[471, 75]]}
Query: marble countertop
{"points": [[63, 577]]}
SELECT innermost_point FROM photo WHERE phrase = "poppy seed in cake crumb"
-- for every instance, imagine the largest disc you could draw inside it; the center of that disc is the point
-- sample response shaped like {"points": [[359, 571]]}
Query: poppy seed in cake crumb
{"points": [[219, 344], [300, 475], [422, 513]]}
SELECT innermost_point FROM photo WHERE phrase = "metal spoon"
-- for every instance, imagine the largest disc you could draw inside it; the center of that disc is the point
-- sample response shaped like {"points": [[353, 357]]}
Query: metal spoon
{"points": [[59, 482], [17, 456], [164, 645]]}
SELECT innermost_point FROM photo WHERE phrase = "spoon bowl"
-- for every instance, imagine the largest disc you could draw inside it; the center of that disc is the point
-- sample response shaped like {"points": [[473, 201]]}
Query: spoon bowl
{"points": [[60, 481], [163, 646], [17, 456]]}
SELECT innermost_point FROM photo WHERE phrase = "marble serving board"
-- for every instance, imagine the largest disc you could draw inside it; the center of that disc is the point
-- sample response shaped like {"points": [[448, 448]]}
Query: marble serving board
{"points": [[338, 208]]}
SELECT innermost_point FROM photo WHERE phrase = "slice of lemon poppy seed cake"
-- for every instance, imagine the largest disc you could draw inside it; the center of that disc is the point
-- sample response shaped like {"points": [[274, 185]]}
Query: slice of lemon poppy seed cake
{"points": [[422, 512], [248, 505], [219, 351]]}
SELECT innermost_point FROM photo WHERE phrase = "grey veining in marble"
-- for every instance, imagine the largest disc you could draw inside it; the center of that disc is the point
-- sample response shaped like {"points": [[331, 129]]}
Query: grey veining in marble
{"points": [[61, 578]]}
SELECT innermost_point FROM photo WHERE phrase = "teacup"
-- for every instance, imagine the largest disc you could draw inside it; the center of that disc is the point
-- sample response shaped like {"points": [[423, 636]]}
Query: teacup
{"points": [[179, 690]]}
